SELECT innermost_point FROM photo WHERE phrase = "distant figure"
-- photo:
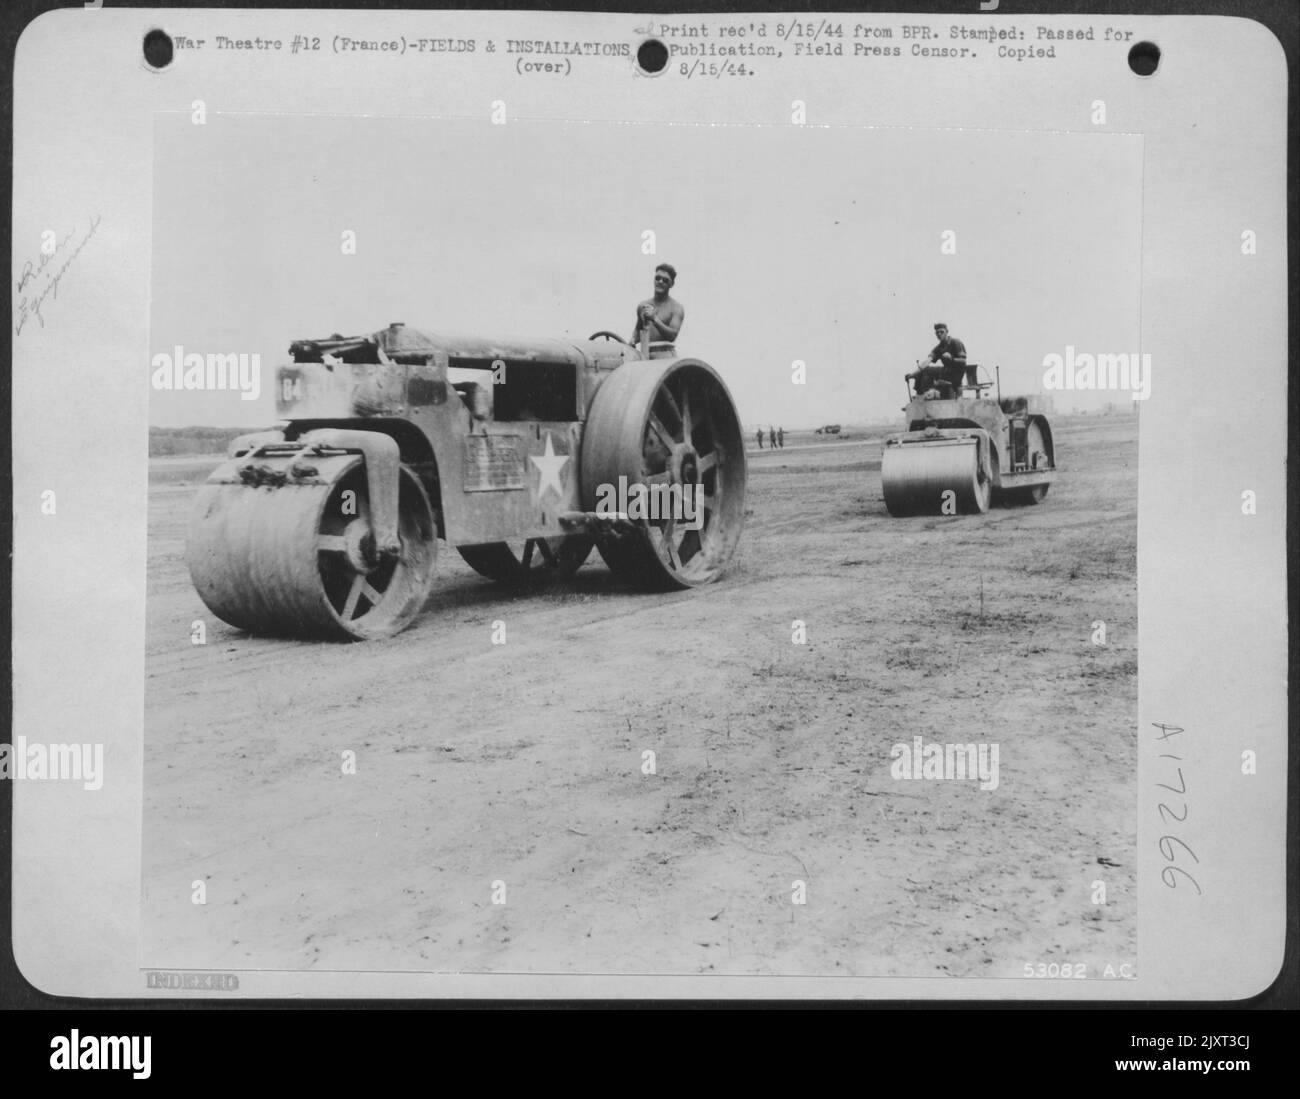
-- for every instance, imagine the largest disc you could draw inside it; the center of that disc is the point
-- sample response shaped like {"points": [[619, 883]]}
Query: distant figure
{"points": [[780, 437], [760, 438], [661, 316], [771, 437], [947, 362]]}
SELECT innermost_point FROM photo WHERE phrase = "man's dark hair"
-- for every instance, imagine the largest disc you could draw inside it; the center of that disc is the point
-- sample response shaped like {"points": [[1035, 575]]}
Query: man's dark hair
{"points": [[940, 324], [672, 271]]}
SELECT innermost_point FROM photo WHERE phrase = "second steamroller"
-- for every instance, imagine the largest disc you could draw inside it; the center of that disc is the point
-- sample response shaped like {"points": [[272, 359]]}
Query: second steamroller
{"points": [[962, 451], [509, 450]]}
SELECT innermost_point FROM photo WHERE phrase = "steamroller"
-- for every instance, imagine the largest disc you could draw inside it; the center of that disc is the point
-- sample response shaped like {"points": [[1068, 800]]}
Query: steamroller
{"points": [[963, 450], [519, 453]]}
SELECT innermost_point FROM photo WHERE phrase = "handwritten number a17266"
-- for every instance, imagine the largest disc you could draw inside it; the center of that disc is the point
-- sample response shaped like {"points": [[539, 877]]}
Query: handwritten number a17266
{"points": [[1166, 843]]}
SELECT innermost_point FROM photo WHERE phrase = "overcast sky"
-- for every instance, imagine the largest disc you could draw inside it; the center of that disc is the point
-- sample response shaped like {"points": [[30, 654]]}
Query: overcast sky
{"points": [[790, 243]]}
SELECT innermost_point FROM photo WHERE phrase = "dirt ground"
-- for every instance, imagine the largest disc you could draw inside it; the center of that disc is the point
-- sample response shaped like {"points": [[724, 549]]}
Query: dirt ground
{"points": [[521, 764]]}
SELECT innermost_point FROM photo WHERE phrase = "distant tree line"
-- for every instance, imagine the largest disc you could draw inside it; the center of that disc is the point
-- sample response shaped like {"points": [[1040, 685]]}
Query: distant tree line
{"points": [[167, 441]]}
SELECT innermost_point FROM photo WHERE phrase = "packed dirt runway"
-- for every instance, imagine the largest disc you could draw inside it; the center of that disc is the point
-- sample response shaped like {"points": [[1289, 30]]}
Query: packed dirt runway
{"points": [[516, 772]]}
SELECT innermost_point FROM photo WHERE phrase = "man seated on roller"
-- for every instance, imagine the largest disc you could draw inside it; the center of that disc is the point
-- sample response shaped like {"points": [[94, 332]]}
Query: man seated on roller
{"points": [[947, 363], [661, 316]]}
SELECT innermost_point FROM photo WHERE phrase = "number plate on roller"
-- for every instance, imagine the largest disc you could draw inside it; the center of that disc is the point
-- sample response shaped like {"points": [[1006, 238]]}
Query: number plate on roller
{"points": [[493, 463]]}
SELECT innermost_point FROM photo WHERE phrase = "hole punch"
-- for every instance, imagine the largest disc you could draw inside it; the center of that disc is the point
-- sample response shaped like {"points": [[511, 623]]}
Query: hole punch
{"points": [[652, 56], [1144, 58], [158, 49]]}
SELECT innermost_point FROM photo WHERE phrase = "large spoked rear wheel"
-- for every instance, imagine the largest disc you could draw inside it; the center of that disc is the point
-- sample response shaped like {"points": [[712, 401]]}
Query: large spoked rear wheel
{"points": [[298, 558], [1037, 448], [670, 426], [535, 560], [1038, 459]]}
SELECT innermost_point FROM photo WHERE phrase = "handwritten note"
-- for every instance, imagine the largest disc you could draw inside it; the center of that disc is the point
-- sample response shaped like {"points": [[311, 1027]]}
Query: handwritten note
{"points": [[40, 278], [1167, 812]]}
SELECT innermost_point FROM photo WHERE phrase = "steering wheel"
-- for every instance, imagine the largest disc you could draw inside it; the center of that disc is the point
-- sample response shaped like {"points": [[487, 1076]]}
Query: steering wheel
{"points": [[609, 336]]}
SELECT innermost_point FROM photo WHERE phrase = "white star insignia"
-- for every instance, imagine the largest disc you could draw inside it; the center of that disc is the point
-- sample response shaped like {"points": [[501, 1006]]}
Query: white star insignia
{"points": [[549, 466]]}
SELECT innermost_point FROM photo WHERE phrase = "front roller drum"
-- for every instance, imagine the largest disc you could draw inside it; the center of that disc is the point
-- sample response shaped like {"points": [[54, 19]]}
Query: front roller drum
{"points": [[670, 426], [297, 557], [916, 478]]}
